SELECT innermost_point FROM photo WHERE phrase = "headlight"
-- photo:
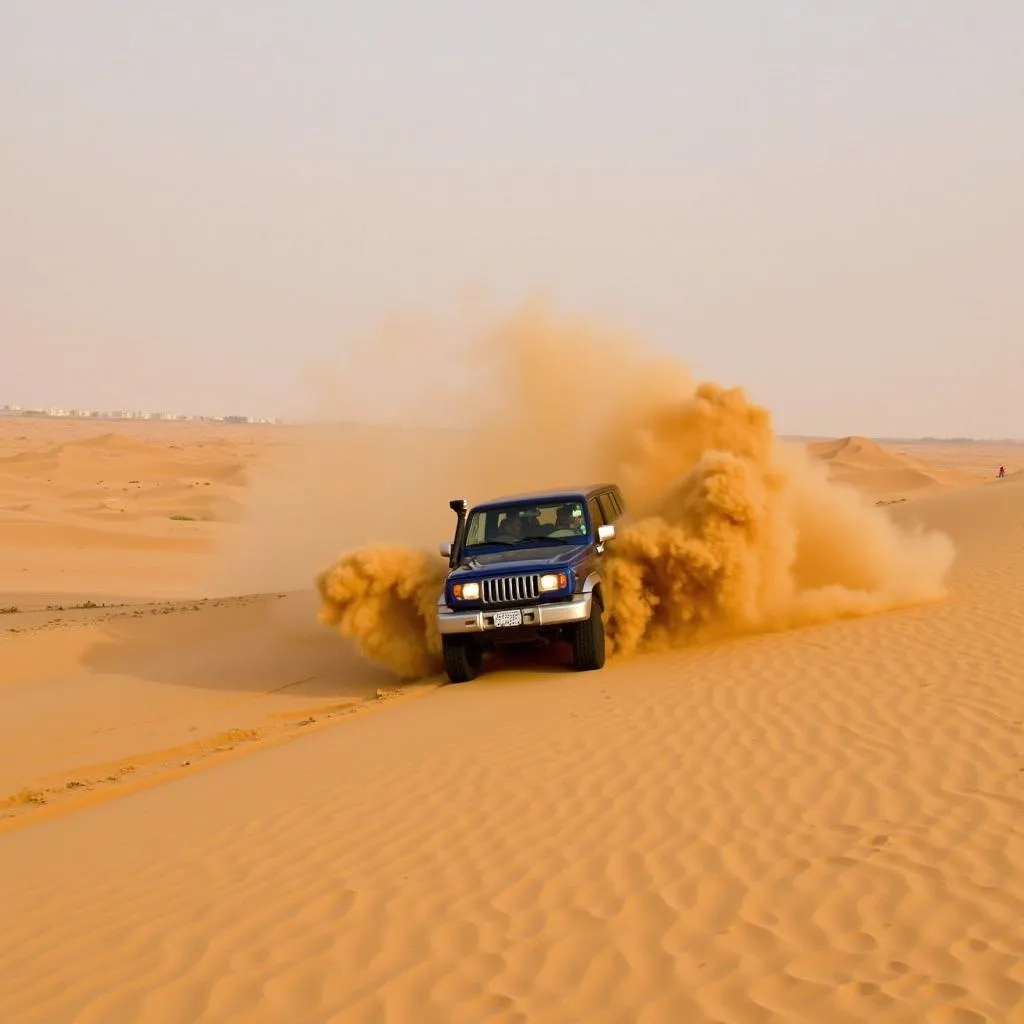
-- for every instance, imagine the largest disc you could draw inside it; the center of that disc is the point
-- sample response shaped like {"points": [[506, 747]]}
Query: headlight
{"points": [[553, 581], [466, 591]]}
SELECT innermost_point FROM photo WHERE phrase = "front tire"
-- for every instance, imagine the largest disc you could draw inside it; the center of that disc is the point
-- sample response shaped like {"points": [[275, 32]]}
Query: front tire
{"points": [[588, 641], [462, 658]]}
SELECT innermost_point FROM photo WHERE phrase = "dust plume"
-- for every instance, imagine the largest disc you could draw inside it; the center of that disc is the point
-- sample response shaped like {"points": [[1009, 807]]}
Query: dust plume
{"points": [[734, 531], [384, 597], [729, 529]]}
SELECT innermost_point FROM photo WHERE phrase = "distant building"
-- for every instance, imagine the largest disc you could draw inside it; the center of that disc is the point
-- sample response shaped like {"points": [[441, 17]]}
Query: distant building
{"points": [[125, 414]]}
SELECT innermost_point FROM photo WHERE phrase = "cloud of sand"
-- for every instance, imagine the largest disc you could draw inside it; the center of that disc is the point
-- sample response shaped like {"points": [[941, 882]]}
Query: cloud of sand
{"points": [[426, 411], [729, 529]]}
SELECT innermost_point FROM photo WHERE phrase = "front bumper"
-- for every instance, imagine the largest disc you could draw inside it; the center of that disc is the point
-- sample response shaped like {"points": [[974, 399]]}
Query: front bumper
{"points": [[556, 613]]}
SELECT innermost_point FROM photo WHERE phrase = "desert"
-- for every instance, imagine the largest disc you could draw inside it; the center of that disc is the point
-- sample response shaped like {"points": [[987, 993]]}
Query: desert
{"points": [[217, 804], [511, 514]]}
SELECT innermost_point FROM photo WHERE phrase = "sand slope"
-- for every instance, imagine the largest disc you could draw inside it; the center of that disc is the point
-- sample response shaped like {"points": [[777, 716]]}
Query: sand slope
{"points": [[97, 696], [115, 513], [884, 473], [820, 825]]}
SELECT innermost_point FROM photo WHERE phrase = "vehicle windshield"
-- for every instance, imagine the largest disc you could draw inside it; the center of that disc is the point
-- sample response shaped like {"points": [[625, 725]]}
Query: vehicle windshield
{"points": [[515, 525]]}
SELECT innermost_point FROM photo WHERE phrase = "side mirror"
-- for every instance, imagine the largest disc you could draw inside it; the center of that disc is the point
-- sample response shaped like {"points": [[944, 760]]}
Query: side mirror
{"points": [[605, 532], [445, 548]]}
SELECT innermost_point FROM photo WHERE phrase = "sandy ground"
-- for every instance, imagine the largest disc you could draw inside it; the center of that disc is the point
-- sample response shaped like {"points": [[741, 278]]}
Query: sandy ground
{"points": [[211, 809]]}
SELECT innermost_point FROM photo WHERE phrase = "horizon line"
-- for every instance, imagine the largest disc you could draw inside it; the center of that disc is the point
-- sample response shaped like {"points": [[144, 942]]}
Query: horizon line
{"points": [[144, 416]]}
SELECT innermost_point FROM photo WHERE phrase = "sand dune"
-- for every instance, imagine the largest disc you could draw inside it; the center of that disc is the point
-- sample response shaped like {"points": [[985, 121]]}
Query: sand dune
{"points": [[213, 809], [857, 451], [818, 825], [883, 473], [71, 495]]}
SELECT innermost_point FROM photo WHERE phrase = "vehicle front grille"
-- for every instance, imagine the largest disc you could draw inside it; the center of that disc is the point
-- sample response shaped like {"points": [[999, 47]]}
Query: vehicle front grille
{"points": [[506, 589]]}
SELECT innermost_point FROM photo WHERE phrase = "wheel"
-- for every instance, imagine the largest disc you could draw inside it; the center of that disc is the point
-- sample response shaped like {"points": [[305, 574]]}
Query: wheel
{"points": [[462, 658], [588, 641]]}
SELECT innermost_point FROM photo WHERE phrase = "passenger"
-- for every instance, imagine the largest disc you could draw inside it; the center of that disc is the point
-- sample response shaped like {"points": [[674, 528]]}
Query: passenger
{"points": [[568, 521]]}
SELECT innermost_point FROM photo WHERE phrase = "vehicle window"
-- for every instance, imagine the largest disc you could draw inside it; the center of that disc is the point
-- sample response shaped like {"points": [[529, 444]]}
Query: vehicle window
{"points": [[562, 521], [608, 508], [478, 527], [595, 514]]}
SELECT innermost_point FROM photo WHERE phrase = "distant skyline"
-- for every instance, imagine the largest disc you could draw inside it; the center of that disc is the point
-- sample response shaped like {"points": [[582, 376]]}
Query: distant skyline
{"points": [[137, 416], [203, 205], [16, 411]]}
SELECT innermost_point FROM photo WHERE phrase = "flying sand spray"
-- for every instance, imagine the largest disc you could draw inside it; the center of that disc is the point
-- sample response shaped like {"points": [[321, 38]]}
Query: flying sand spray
{"points": [[729, 530]]}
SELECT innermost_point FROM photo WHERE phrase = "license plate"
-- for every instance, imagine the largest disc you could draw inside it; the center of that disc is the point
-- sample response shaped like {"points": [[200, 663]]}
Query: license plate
{"points": [[508, 617]]}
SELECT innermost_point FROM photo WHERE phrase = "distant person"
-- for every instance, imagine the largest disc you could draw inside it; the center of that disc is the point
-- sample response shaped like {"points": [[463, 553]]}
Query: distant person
{"points": [[1002, 472]]}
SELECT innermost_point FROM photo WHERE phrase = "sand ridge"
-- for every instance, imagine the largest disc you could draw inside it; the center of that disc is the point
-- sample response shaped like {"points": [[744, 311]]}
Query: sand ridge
{"points": [[76, 497], [820, 824], [886, 473]]}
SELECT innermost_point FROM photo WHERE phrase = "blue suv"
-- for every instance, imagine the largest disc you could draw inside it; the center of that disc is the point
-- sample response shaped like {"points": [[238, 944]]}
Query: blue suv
{"points": [[527, 567]]}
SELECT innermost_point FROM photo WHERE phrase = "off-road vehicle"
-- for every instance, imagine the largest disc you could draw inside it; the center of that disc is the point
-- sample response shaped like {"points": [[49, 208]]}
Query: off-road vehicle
{"points": [[527, 567]]}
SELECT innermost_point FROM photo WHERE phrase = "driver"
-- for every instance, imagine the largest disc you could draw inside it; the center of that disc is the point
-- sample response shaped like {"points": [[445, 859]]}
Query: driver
{"points": [[511, 526], [520, 524]]}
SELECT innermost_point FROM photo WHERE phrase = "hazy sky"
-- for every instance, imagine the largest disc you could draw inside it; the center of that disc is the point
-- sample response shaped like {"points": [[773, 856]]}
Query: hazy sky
{"points": [[820, 201]]}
